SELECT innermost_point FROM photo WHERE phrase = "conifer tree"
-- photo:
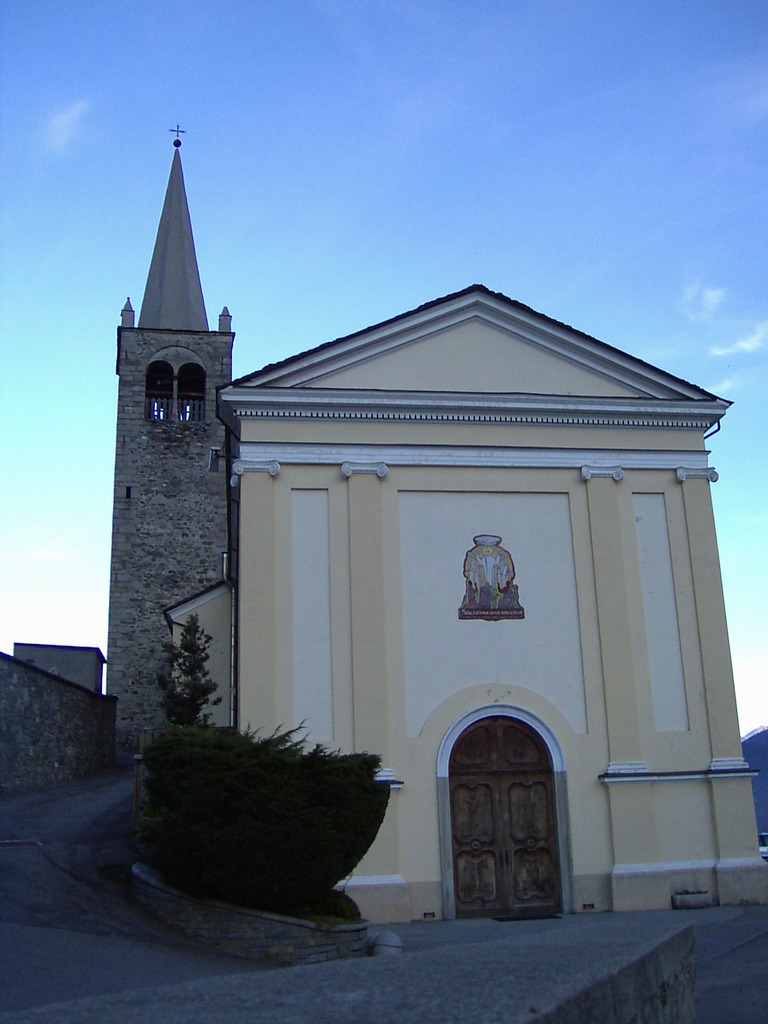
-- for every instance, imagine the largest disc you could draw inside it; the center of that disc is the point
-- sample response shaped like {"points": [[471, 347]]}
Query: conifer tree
{"points": [[185, 681]]}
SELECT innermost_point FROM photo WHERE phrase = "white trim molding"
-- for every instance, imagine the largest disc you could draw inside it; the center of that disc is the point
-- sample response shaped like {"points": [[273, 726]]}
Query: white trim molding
{"points": [[240, 401], [387, 775], [697, 472], [718, 765], [739, 863], [355, 880], [379, 468], [663, 867], [597, 461], [620, 770], [719, 768], [177, 611], [503, 711], [616, 472], [240, 466]]}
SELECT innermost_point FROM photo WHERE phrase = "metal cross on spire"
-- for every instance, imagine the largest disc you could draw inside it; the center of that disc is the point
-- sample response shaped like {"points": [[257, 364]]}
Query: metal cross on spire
{"points": [[178, 131]]}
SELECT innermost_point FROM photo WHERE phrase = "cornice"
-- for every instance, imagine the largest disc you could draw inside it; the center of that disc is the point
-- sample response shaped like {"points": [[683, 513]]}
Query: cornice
{"points": [[271, 403]]}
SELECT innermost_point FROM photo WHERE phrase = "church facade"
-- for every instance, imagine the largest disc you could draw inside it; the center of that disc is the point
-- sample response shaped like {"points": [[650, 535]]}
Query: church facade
{"points": [[480, 543]]}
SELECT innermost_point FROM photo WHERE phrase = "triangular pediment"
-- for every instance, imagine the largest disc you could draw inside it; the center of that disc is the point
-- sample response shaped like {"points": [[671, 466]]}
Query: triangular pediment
{"points": [[475, 341], [472, 356]]}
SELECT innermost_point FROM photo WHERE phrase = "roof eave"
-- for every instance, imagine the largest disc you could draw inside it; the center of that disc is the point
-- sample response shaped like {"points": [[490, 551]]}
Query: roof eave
{"points": [[237, 402]]}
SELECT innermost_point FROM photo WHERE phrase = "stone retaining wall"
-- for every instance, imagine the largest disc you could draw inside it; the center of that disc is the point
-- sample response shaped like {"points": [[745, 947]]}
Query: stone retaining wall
{"points": [[268, 938], [658, 987], [51, 730]]}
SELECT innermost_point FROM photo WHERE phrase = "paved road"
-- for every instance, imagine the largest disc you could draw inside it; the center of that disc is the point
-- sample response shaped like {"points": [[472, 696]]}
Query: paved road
{"points": [[68, 927], [732, 965], [70, 931]]}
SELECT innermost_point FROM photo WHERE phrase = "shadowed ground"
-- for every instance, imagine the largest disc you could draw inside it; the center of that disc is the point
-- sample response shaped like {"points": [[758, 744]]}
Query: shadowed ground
{"points": [[70, 931]]}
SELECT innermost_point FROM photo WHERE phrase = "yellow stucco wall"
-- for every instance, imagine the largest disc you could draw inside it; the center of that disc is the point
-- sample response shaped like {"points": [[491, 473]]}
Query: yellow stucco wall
{"points": [[472, 356], [571, 436], [214, 613]]}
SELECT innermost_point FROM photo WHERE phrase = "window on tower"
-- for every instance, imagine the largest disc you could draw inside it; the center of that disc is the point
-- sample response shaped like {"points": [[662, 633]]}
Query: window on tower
{"points": [[158, 400], [191, 404]]}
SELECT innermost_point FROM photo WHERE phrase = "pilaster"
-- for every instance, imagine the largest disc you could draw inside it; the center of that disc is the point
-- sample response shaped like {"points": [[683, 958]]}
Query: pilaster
{"points": [[367, 599], [710, 614], [614, 623], [633, 821], [257, 626]]}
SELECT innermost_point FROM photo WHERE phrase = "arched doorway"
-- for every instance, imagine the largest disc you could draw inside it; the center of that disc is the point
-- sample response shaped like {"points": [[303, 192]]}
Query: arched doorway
{"points": [[502, 815]]}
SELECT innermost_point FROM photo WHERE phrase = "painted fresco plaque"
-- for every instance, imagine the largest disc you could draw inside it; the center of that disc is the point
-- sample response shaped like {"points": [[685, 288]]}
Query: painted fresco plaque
{"points": [[489, 573]]}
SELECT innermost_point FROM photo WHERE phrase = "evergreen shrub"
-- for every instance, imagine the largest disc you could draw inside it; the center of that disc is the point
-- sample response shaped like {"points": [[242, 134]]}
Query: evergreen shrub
{"points": [[260, 822], [184, 679]]}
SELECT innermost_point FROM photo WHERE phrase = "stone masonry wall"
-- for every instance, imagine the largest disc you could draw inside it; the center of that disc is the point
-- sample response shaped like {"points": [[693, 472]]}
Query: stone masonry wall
{"points": [[170, 515], [268, 938], [51, 730]]}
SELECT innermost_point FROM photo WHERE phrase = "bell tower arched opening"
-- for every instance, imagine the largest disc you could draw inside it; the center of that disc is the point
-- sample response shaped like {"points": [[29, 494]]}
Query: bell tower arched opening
{"points": [[191, 391], [158, 394]]}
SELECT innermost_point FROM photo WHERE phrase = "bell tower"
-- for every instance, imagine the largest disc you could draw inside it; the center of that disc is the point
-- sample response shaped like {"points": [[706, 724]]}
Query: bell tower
{"points": [[169, 521]]}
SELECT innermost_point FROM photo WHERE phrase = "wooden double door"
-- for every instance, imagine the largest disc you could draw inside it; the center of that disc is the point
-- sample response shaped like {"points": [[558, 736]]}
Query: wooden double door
{"points": [[505, 861]]}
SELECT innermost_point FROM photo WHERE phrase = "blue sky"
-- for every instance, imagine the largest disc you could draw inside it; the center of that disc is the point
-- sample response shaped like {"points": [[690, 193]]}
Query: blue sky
{"points": [[604, 163]]}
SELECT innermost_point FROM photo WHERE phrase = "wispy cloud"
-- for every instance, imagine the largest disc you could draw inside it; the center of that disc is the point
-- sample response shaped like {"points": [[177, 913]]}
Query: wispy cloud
{"points": [[723, 386], [754, 341], [699, 302], [61, 126]]}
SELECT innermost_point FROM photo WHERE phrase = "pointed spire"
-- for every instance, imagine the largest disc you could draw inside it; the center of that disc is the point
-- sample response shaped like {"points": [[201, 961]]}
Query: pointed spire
{"points": [[173, 298]]}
